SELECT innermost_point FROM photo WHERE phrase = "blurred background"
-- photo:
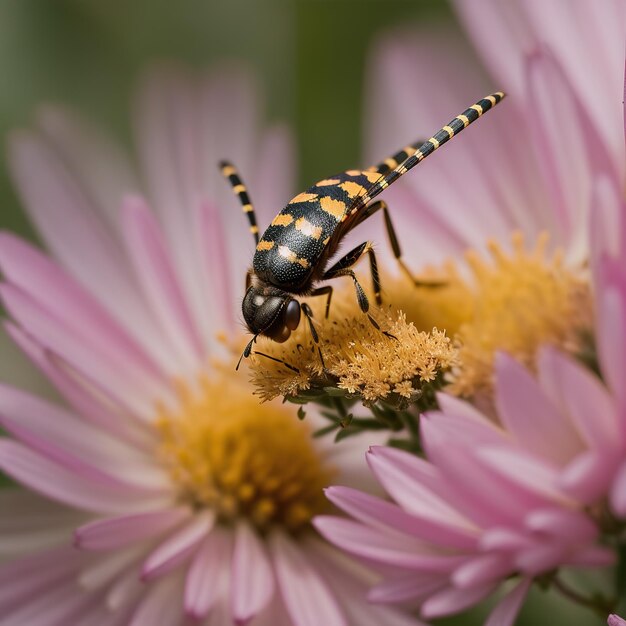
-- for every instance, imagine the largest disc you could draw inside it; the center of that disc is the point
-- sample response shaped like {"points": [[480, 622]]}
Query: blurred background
{"points": [[310, 58]]}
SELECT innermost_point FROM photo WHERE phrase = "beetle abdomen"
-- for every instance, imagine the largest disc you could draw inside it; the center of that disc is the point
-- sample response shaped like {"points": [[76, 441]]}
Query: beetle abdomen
{"points": [[298, 236]]}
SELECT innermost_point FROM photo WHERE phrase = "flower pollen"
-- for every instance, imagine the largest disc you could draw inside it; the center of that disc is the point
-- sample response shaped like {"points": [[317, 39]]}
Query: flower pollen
{"points": [[522, 300], [232, 455], [512, 301], [360, 359]]}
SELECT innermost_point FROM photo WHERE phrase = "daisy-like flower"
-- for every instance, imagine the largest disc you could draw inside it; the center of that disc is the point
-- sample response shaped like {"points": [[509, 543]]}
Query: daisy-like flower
{"points": [[609, 263], [519, 498], [529, 485], [499, 233], [161, 491], [526, 174]]}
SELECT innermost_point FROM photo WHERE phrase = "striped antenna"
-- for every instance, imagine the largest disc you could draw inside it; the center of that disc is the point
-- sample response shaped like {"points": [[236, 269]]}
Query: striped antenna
{"points": [[229, 172], [428, 147]]}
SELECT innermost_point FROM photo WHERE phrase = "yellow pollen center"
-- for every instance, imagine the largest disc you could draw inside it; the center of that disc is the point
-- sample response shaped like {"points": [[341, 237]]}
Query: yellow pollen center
{"points": [[514, 302], [392, 363], [228, 453]]}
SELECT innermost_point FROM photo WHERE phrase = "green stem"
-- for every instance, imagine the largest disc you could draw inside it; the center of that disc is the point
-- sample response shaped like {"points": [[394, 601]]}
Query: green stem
{"points": [[597, 603]]}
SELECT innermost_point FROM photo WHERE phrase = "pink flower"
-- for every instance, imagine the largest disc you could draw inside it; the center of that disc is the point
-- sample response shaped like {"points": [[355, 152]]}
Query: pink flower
{"points": [[615, 620], [521, 492], [608, 225], [183, 497], [514, 498], [530, 166], [514, 194]]}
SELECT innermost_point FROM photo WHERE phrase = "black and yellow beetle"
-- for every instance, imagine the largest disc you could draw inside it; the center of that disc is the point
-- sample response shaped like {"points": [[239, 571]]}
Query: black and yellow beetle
{"points": [[292, 255]]}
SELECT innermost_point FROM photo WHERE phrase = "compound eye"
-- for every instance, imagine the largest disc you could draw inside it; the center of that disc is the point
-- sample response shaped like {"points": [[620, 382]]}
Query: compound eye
{"points": [[282, 336], [292, 315]]}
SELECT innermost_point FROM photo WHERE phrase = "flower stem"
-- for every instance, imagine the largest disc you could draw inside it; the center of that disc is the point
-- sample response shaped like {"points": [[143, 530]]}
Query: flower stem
{"points": [[598, 603]]}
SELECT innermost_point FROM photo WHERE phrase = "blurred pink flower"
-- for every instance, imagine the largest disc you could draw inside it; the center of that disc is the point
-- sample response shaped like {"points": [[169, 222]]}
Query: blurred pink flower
{"points": [[530, 166], [608, 263], [615, 620], [123, 321], [525, 495], [518, 499]]}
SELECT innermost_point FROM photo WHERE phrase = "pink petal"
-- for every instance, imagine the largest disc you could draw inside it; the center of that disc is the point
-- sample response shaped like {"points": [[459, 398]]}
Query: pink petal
{"points": [[101, 165], [535, 480], [414, 484], [28, 577], [408, 588], [60, 435], [109, 568], [611, 324], [67, 486], [30, 523], [482, 569], [75, 232], [492, 497], [41, 278], [126, 591], [541, 558], [588, 477], [507, 609], [582, 395], [101, 615], [178, 547], [503, 27], [161, 604], [589, 43], [185, 128], [607, 223], [618, 491], [586, 39], [385, 516], [117, 532], [308, 599], [351, 591], [452, 600], [563, 525], [530, 416], [459, 428], [208, 574], [88, 401], [569, 159], [56, 606], [451, 405], [395, 75], [592, 556], [615, 620], [381, 547], [128, 384], [252, 580], [505, 539], [216, 263], [158, 279]]}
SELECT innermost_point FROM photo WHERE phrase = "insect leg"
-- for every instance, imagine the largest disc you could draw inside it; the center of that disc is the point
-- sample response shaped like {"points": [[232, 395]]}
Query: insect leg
{"points": [[240, 190], [343, 267], [326, 290], [308, 313], [395, 244]]}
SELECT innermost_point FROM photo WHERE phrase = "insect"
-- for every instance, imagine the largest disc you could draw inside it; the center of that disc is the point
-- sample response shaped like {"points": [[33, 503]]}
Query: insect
{"points": [[291, 257]]}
